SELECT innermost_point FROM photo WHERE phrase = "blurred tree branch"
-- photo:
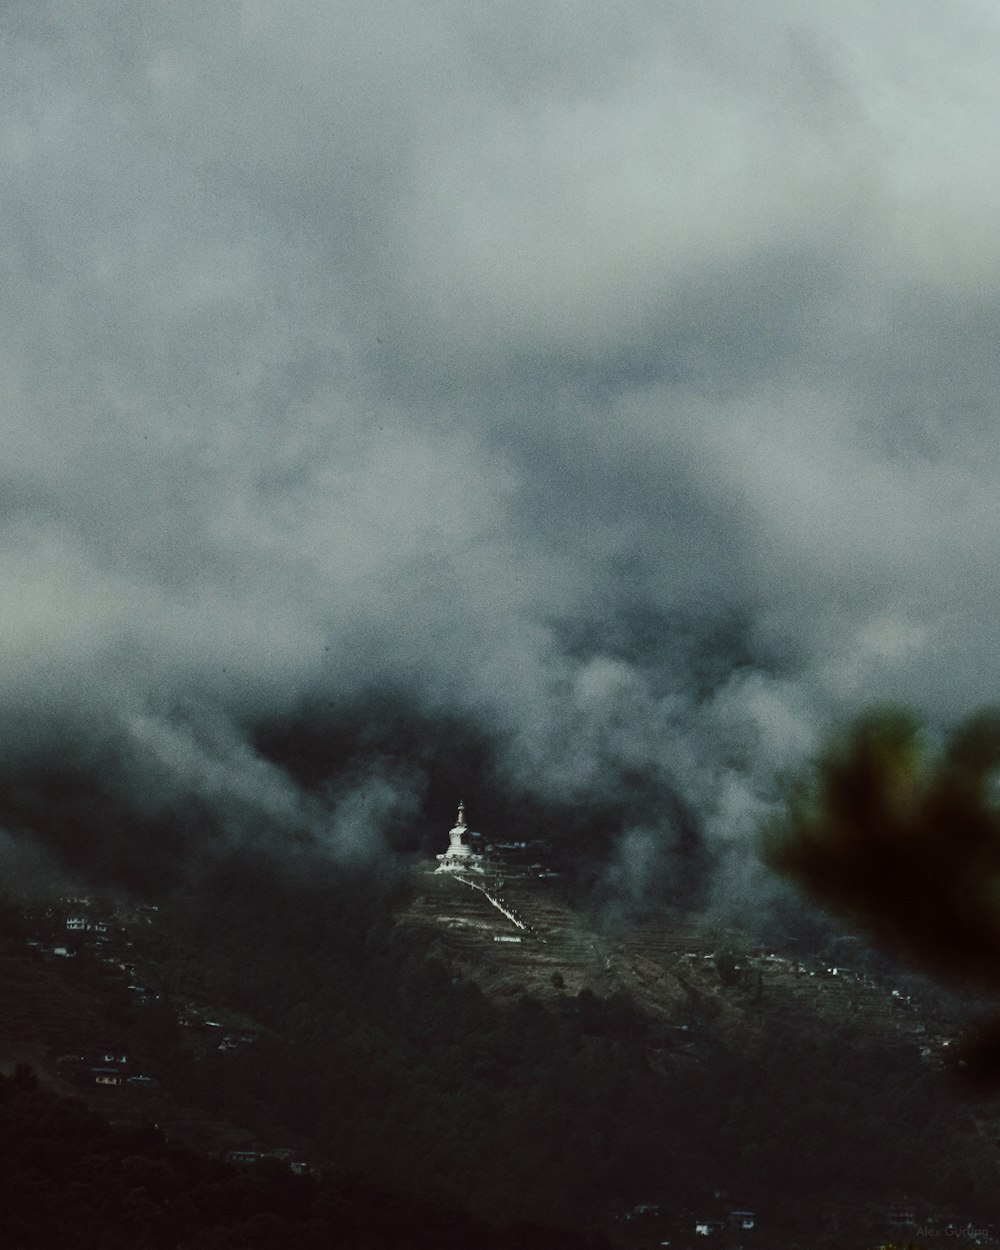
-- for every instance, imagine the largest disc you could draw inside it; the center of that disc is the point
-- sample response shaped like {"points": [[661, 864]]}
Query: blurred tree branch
{"points": [[900, 835]]}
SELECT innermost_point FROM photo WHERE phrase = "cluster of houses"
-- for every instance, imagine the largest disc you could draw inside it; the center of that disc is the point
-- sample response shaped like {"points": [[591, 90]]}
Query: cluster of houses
{"points": [[105, 1068], [246, 1158], [63, 928], [102, 935], [653, 1224], [76, 926], [719, 1225]]}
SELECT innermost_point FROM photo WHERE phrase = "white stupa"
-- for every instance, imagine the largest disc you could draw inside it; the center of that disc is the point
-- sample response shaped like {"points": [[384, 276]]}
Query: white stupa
{"points": [[460, 855]]}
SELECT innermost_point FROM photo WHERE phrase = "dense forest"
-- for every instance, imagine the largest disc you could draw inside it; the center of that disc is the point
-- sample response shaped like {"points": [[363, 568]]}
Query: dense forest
{"points": [[370, 1050], [69, 1178]]}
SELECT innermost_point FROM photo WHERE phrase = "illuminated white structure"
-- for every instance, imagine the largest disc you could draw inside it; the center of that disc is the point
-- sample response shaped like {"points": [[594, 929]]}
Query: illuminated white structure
{"points": [[460, 855]]}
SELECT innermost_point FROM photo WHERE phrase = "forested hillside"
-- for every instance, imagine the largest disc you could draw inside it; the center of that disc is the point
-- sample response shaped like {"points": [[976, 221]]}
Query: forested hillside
{"points": [[364, 1049], [69, 1178]]}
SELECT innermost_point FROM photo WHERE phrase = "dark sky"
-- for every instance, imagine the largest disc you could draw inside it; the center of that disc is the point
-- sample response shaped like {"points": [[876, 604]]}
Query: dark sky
{"points": [[620, 380]]}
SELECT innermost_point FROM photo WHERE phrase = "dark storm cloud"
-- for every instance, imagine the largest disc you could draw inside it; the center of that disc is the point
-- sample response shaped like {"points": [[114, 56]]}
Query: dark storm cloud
{"points": [[619, 386]]}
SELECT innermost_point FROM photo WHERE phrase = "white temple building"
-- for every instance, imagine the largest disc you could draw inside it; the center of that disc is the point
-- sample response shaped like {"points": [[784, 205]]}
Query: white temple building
{"points": [[461, 855]]}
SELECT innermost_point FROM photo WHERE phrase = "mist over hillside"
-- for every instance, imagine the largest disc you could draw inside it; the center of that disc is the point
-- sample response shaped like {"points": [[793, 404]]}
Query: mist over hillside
{"points": [[579, 411]]}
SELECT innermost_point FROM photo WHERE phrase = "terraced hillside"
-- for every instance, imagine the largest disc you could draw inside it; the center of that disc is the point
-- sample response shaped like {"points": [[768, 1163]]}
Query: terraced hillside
{"points": [[675, 971], [553, 953], [670, 1057]]}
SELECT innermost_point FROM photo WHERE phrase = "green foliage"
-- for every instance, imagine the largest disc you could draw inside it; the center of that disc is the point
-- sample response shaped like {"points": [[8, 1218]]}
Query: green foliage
{"points": [[903, 838], [68, 1178], [376, 1052], [895, 1245], [373, 1050]]}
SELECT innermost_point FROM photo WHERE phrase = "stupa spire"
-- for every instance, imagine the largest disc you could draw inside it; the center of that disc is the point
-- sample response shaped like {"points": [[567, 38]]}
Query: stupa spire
{"points": [[461, 855]]}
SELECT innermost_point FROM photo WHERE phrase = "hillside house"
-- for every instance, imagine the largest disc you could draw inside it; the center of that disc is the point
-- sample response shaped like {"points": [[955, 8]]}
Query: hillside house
{"points": [[901, 1214], [83, 924], [107, 1076], [243, 1156]]}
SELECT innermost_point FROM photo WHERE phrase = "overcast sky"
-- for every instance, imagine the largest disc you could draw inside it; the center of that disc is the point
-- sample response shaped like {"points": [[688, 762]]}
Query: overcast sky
{"points": [[621, 377]]}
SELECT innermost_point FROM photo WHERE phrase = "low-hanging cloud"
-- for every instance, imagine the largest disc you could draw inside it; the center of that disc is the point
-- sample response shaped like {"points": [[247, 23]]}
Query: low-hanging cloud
{"points": [[597, 403]]}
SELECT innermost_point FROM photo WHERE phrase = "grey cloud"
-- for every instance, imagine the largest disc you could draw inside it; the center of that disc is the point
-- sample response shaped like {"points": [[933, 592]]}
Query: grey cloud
{"points": [[619, 386]]}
